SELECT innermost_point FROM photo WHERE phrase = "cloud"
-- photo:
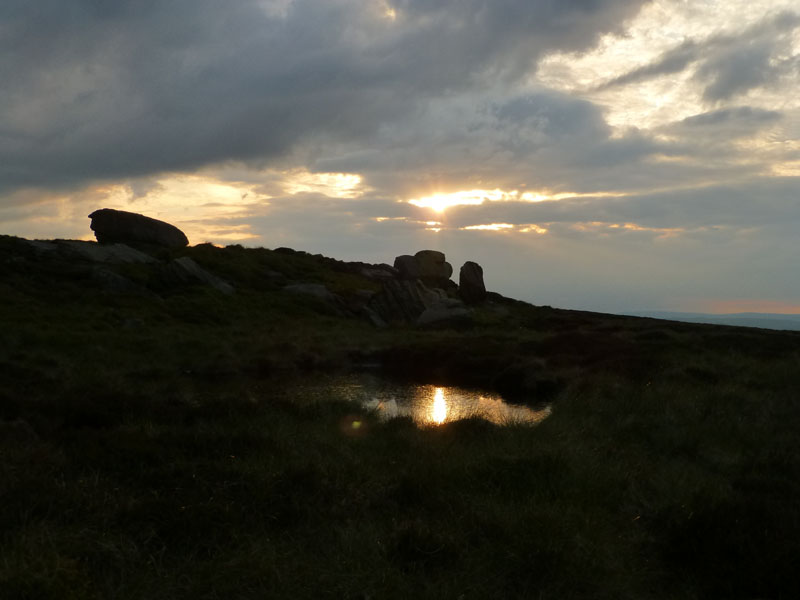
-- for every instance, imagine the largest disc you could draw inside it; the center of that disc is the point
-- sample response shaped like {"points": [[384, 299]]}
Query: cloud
{"points": [[729, 64], [764, 202], [717, 128], [724, 116], [672, 61], [118, 89], [536, 140]]}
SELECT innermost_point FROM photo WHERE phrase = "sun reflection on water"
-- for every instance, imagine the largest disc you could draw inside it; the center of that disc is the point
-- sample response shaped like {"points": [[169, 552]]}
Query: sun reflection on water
{"points": [[439, 409], [427, 405], [434, 405]]}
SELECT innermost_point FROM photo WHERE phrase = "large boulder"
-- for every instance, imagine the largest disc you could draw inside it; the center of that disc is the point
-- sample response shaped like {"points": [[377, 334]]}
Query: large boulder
{"points": [[112, 226], [426, 265], [434, 271], [470, 283]]}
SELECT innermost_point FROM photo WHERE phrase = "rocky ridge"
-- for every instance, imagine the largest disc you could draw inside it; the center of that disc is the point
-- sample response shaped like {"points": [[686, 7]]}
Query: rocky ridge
{"points": [[416, 290]]}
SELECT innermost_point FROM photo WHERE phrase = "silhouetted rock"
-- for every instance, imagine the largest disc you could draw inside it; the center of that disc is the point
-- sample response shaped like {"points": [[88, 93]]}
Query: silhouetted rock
{"points": [[111, 226], [379, 272], [411, 301], [427, 265], [185, 270], [470, 283], [434, 271], [407, 267]]}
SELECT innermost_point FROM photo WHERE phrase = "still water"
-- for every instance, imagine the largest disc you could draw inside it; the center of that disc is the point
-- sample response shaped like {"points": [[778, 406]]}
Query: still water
{"points": [[426, 404]]}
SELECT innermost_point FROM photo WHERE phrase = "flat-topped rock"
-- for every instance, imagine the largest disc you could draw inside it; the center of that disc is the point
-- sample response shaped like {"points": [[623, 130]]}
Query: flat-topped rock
{"points": [[119, 226]]}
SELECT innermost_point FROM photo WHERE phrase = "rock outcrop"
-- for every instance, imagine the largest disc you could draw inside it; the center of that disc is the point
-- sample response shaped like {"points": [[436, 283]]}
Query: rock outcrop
{"points": [[470, 283], [379, 272], [411, 301], [184, 270], [427, 265], [434, 271], [407, 267], [111, 226], [404, 300]]}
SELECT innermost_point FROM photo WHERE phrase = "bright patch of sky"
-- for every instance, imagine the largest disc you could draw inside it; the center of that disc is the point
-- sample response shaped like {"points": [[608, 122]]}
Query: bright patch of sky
{"points": [[661, 26]]}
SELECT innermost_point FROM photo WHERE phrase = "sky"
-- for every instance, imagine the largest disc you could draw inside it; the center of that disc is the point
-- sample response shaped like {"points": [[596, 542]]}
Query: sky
{"points": [[607, 155]]}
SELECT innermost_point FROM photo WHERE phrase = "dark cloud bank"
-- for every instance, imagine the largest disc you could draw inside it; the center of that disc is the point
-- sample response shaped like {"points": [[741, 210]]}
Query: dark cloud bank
{"points": [[113, 88]]}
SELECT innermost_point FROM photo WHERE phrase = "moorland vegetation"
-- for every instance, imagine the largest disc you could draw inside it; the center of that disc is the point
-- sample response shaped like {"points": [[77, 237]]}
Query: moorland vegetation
{"points": [[147, 449]]}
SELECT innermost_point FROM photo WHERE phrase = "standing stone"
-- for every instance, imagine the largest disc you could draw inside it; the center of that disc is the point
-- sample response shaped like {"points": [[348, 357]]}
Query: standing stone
{"points": [[470, 283], [119, 226]]}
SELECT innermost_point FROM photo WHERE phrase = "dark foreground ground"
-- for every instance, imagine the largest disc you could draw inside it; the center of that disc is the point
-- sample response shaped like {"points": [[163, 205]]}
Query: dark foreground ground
{"points": [[147, 450]]}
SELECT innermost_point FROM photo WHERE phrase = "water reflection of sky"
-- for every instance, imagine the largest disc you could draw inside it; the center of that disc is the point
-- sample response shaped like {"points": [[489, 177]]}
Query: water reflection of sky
{"points": [[433, 405]]}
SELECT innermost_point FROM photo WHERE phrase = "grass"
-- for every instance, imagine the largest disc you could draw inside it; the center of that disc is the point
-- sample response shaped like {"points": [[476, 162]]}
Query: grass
{"points": [[148, 449]]}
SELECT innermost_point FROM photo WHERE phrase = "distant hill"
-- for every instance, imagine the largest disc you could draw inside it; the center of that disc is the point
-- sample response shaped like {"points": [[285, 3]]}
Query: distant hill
{"points": [[789, 322]]}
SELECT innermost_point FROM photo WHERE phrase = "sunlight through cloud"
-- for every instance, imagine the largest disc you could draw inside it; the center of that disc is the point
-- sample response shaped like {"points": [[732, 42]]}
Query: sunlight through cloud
{"points": [[491, 227], [334, 185], [441, 202]]}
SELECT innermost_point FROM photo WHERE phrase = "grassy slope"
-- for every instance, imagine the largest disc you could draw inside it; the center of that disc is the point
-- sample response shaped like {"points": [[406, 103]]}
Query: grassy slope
{"points": [[162, 460]]}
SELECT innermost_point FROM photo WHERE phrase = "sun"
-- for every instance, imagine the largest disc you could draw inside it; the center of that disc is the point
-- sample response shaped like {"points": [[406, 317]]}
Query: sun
{"points": [[441, 202]]}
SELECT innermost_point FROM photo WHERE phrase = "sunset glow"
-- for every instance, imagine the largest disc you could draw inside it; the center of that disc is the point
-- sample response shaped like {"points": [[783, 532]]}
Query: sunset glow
{"points": [[490, 227], [335, 185], [440, 202]]}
